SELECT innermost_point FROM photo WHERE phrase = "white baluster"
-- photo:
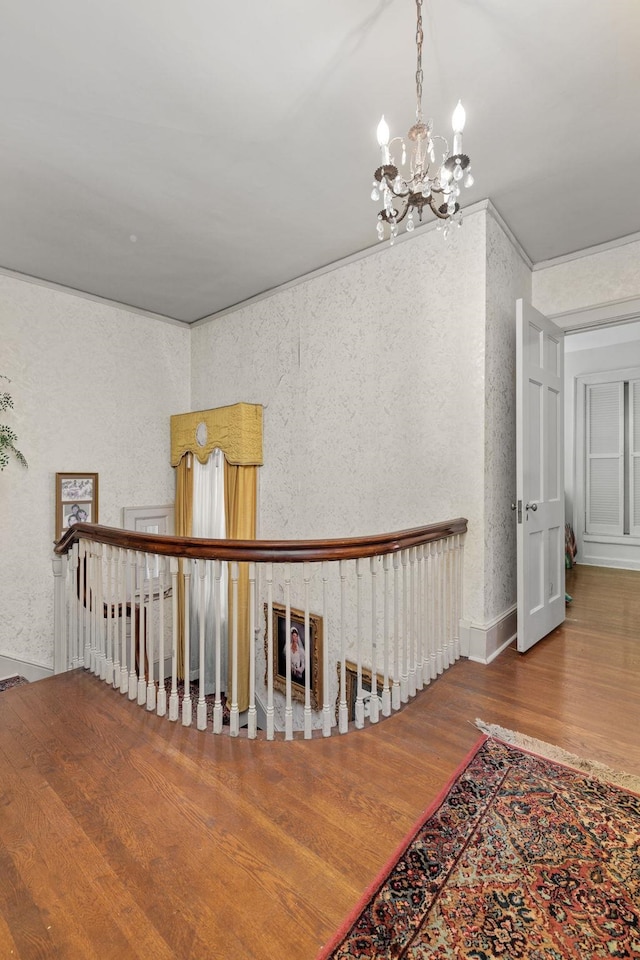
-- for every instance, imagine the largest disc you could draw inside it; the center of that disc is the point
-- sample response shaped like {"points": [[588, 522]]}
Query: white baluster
{"points": [[359, 711], [187, 709], [460, 611], [270, 710], [343, 710], [60, 631], [93, 605], [152, 646], [396, 690], [433, 582], [448, 601], [115, 603], [386, 691], [453, 571], [70, 576], [161, 705], [419, 620], [142, 633], [173, 698], [426, 616], [412, 621], [124, 579], [84, 623], [404, 678], [288, 710], [124, 674], [90, 602], [374, 705], [326, 710], [101, 621], [252, 716], [444, 623], [457, 613], [201, 711], [134, 625], [110, 613], [440, 615], [217, 707], [75, 608], [234, 717], [308, 661]]}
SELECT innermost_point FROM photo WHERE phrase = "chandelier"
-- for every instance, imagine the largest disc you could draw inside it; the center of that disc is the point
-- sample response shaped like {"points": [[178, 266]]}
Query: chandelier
{"points": [[433, 175]]}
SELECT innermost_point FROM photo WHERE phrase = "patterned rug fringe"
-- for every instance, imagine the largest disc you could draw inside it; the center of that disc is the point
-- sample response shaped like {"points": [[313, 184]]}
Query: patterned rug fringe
{"points": [[593, 769], [8, 682]]}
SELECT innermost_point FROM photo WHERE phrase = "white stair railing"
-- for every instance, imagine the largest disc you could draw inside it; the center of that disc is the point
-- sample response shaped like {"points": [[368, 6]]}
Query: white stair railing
{"points": [[376, 621]]}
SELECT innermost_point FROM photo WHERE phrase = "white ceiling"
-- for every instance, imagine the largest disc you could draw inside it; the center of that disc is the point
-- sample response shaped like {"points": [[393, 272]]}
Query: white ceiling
{"points": [[184, 157]]}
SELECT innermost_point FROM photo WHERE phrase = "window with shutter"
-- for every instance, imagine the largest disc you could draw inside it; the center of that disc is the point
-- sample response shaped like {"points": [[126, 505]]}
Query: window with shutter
{"points": [[604, 449], [634, 458]]}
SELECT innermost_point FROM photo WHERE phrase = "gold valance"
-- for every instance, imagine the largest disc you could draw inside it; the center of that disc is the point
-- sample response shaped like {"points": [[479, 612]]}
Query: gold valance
{"points": [[236, 430]]}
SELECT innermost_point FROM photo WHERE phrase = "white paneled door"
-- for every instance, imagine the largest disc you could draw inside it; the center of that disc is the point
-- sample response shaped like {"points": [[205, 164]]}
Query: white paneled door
{"points": [[540, 475]]}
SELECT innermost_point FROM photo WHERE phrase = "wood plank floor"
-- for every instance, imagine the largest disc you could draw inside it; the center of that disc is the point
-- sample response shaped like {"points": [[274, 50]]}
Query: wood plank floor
{"points": [[123, 835]]}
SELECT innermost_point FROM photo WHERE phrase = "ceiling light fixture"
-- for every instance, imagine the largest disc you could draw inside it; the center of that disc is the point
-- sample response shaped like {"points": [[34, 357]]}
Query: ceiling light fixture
{"points": [[433, 176]]}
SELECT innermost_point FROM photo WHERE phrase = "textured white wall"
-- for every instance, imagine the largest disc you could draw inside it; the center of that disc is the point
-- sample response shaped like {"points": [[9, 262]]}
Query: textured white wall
{"points": [[372, 380], [93, 387], [508, 278], [377, 414], [587, 281]]}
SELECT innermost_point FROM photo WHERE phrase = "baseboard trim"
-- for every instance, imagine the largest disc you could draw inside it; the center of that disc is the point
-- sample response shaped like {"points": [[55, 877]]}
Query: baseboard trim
{"points": [[12, 667], [484, 642], [615, 563]]}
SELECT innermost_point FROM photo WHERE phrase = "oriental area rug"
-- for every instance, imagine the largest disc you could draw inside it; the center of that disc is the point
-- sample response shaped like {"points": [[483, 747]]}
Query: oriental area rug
{"points": [[520, 857]]}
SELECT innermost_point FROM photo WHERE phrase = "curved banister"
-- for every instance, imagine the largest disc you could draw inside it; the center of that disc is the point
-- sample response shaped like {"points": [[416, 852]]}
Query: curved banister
{"points": [[276, 551]]}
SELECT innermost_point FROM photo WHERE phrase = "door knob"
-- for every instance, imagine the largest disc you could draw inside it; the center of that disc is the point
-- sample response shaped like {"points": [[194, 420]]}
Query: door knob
{"points": [[532, 506]]}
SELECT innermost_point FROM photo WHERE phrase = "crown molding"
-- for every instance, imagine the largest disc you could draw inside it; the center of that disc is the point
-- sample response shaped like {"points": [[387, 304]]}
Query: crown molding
{"points": [[588, 251], [83, 295], [504, 226], [598, 315]]}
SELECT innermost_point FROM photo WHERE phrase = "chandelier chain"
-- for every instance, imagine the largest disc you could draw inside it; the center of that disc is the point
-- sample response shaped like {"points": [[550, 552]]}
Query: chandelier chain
{"points": [[419, 74]]}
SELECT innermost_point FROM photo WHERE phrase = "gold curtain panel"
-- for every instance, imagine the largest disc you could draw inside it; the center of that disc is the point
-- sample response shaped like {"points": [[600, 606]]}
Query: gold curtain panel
{"points": [[236, 430]]}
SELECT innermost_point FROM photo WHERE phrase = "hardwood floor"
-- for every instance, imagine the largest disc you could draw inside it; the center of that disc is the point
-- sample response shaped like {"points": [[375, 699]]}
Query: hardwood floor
{"points": [[124, 835]]}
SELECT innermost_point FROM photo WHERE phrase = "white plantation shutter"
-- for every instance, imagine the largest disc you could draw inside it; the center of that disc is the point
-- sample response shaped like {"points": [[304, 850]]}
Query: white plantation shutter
{"points": [[605, 458], [634, 458]]}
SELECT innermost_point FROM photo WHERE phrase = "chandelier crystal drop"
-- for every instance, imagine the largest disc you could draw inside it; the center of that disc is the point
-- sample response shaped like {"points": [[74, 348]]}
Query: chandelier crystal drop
{"points": [[429, 173]]}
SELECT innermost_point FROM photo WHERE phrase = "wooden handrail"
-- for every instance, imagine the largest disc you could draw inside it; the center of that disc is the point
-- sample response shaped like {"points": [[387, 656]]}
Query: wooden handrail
{"points": [[276, 551]]}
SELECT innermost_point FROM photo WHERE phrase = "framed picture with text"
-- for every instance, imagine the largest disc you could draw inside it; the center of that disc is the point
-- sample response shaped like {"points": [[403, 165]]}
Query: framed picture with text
{"points": [[76, 500]]}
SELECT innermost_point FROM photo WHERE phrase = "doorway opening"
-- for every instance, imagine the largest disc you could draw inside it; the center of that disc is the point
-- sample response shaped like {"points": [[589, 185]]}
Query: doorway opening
{"points": [[602, 433]]}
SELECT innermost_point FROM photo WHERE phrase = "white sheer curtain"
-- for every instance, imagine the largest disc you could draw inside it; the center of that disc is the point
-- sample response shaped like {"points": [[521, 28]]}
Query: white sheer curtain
{"points": [[208, 521]]}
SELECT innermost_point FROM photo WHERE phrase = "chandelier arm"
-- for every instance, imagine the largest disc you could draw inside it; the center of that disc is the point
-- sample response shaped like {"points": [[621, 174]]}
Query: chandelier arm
{"points": [[403, 214], [436, 210], [399, 140], [444, 140], [400, 194]]}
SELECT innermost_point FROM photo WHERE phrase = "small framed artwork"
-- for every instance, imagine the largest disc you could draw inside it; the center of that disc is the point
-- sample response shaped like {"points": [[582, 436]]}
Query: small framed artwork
{"points": [[306, 653], [351, 682], [76, 500]]}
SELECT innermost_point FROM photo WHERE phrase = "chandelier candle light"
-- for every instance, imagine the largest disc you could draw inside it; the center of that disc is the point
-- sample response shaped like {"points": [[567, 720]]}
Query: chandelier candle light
{"points": [[434, 174]]}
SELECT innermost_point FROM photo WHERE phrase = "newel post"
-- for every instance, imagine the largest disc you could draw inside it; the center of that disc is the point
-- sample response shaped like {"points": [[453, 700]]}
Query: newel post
{"points": [[60, 651]]}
